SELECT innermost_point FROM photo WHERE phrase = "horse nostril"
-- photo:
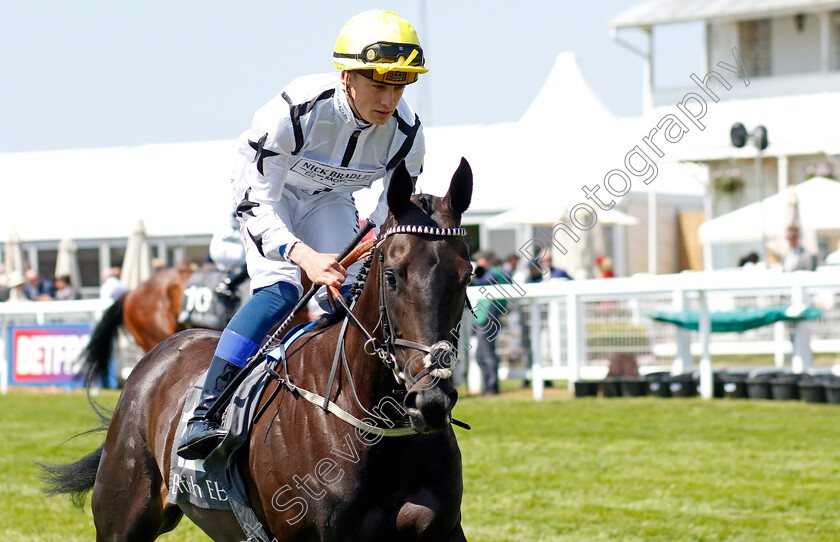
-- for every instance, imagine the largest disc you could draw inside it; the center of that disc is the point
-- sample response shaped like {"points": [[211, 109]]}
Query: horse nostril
{"points": [[410, 402]]}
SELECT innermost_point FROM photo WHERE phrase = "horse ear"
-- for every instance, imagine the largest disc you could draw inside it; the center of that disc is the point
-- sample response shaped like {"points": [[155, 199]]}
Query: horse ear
{"points": [[399, 190], [459, 195]]}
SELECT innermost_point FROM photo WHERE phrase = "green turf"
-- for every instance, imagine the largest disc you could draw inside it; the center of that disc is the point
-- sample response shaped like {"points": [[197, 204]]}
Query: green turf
{"points": [[561, 469]]}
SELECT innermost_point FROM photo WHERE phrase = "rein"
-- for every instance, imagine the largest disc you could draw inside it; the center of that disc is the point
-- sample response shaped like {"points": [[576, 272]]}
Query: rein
{"points": [[386, 352]]}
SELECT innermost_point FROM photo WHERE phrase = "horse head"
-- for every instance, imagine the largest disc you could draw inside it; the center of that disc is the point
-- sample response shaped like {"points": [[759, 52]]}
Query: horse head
{"points": [[424, 269]]}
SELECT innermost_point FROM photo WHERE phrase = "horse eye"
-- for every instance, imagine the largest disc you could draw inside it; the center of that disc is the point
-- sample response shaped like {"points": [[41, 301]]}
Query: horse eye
{"points": [[390, 278]]}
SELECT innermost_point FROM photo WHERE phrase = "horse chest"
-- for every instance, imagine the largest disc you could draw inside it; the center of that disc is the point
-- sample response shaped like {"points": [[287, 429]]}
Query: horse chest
{"points": [[357, 490]]}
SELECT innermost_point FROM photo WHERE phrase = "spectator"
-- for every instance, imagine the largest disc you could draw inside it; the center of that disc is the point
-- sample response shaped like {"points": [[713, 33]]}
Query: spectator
{"points": [[538, 270], [605, 267], [797, 258], [37, 288], [749, 260], [488, 271], [834, 257], [64, 290], [112, 287]]}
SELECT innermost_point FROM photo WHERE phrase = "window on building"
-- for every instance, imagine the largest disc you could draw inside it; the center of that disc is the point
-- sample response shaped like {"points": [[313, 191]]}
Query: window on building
{"points": [[754, 46]]}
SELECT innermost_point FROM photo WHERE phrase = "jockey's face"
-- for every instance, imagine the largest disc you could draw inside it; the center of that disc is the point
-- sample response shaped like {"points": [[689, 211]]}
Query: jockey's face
{"points": [[371, 101]]}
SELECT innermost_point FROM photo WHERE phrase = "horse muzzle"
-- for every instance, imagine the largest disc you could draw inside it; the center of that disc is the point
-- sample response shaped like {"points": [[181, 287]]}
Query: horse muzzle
{"points": [[429, 408]]}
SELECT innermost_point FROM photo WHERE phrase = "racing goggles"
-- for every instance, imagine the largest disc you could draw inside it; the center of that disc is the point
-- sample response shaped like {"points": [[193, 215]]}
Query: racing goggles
{"points": [[384, 51], [389, 52]]}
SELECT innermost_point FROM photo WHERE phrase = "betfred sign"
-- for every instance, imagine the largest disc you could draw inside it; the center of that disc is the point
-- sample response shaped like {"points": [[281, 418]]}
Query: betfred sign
{"points": [[47, 355]]}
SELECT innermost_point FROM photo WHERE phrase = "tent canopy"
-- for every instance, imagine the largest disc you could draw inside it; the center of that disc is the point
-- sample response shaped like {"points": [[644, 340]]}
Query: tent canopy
{"points": [[817, 200]]}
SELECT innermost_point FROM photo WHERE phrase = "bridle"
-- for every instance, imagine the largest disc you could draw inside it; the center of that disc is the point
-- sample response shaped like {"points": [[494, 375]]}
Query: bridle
{"points": [[437, 362], [439, 355]]}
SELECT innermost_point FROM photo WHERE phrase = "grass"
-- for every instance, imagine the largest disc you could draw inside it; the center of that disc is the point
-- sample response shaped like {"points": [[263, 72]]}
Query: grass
{"points": [[558, 470]]}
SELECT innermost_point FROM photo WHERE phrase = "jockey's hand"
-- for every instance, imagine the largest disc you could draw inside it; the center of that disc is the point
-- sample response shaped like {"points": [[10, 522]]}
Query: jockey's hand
{"points": [[319, 267]]}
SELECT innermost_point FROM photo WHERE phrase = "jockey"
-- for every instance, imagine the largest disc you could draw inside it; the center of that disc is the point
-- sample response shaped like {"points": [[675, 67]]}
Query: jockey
{"points": [[321, 139]]}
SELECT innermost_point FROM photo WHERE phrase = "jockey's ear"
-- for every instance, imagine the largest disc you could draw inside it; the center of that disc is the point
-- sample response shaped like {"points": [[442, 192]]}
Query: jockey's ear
{"points": [[399, 191], [459, 195]]}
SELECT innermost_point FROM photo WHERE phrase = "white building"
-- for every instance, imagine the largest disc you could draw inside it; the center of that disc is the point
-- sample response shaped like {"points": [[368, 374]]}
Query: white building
{"points": [[773, 63]]}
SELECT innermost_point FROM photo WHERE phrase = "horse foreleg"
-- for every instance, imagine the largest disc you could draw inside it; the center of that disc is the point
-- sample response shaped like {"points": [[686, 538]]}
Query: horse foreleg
{"points": [[424, 518], [457, 534]]}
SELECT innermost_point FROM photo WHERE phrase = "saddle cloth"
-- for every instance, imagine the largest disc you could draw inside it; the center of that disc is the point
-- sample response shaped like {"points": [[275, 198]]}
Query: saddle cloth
{"points": [[201, 306]]}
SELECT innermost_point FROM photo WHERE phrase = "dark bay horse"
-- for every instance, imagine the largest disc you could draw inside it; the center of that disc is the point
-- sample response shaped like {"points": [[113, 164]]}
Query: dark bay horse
{"points": [[310, 475]]}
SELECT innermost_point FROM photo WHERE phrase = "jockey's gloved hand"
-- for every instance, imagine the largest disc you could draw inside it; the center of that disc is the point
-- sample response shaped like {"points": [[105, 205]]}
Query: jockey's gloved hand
{"points": [[479, 271]]}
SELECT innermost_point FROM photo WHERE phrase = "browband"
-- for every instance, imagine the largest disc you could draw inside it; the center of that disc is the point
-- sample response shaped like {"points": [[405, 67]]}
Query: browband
{"points": [[425, 230]]}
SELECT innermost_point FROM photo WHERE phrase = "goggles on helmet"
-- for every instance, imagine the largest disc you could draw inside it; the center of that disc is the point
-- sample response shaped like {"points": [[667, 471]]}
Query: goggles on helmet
{"points": [[383, 51]]}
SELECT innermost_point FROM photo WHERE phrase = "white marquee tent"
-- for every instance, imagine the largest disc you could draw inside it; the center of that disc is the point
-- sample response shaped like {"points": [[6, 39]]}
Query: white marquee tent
{"points": [[817, 201]]}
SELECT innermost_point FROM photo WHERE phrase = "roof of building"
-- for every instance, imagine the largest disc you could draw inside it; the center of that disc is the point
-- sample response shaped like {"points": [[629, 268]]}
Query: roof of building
{"points": [[796, 125], [656, 12]]}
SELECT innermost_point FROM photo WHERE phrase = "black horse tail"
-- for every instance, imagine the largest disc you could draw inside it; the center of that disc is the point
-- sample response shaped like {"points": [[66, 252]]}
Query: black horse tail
{"points": [[74, 479], [97, 354]]}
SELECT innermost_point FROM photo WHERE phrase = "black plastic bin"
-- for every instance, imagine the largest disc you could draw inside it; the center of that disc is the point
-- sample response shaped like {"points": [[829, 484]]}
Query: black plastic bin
{"points": [[586, 388], [759, 387], [657, 384], [812, 390], [734, 385], [717, 385], [633, 386], [683, 385], [785, 387], [611, 386], [832, 390]]}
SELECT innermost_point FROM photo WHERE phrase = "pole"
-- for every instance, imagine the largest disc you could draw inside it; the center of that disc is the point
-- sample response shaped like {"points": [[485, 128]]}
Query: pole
{"points": [[759, 175]]}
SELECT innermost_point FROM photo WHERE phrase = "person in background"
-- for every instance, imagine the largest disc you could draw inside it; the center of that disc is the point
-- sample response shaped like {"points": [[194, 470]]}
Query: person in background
{"points": [[834, 257], [158, 265], [38, 288], [112, 287], [749, 260], [4, 284], [488, 272], [797, 258], [605, 267], [537, 271], [228, 254], [64, 291]]}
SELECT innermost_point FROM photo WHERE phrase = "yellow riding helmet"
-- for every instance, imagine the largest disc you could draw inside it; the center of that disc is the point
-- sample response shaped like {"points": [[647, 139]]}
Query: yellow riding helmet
{"points": [[382, 45]]}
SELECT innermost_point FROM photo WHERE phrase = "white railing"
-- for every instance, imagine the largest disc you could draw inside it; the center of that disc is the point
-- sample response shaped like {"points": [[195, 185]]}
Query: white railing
{"points": [[569, 330], [42, 313]]}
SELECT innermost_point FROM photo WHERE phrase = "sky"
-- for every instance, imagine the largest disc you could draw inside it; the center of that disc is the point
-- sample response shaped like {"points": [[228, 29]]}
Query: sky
{"points": [[96, 73]]}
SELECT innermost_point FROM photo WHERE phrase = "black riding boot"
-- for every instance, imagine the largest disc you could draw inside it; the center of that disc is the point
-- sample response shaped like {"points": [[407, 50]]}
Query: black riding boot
{"points": [[203, 434]]}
